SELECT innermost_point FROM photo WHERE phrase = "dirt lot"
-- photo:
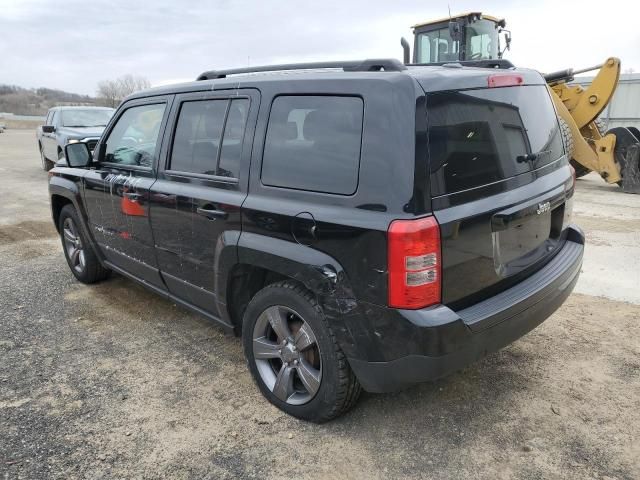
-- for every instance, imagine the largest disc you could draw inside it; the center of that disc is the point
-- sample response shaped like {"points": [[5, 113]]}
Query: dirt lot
{"points": [[110, 381]]}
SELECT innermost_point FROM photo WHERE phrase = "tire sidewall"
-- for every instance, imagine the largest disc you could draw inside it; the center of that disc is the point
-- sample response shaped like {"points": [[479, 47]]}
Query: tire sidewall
{"points": [[325, 399], [69, 211]]}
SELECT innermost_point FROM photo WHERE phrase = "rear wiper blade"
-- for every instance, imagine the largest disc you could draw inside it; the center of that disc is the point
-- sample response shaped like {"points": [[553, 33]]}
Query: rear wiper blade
{"points": [[532, 157]]}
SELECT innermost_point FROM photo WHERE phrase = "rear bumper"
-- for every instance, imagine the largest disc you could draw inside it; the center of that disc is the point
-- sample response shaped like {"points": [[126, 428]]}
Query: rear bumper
{"points": [[438, 341]]}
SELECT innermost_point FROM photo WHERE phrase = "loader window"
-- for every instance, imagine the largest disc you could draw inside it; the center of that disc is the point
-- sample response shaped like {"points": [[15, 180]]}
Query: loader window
{"points": [[482, 40], [437, 46]]}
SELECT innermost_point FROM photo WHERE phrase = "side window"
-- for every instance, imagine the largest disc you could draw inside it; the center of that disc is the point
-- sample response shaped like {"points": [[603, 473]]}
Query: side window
{"points": [[48, 119], [133, 139], [54, 117], [229, 165], [204, 142], [313, 143]]}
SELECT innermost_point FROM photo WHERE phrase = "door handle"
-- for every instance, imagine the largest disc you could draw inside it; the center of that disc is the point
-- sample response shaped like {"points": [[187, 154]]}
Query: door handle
{"points": [[133, 196], [212, 213]]}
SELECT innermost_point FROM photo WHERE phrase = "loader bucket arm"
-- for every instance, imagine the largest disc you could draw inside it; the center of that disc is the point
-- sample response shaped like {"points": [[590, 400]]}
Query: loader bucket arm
{"points": [[585, 104], [598, 152]]}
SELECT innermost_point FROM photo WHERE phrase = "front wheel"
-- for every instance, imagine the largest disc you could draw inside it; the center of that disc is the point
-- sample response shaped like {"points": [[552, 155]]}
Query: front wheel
{"points": [[46, 163], [293, 355], [81, 258]]}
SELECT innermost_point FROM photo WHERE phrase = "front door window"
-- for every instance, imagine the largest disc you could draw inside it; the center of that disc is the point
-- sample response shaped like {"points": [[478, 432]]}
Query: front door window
{"points": [[134, 137]]}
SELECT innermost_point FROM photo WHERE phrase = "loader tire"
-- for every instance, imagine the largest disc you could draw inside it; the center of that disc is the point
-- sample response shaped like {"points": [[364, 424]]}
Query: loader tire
{"points": [[567, 140]]}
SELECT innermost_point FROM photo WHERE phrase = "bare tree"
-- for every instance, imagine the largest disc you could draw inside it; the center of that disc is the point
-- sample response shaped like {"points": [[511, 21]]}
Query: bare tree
{"points": [[112, 92]]}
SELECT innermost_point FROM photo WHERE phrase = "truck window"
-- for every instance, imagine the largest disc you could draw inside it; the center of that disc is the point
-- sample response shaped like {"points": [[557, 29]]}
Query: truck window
{"points": [[134, 137], [313, 143], [197, 138], [229, 165]]}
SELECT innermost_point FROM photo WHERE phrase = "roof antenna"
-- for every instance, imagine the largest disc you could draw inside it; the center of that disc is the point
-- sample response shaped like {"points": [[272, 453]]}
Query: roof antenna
{"points": [[449, 8]]}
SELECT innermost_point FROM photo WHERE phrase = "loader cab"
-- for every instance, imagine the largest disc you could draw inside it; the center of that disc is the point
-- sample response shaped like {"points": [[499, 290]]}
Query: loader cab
{"points": [[471, 36]]}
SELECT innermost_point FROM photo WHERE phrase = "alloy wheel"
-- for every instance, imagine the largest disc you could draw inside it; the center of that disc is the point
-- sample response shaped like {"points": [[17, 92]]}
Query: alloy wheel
{"points": [[73, 245], [287, 355]]}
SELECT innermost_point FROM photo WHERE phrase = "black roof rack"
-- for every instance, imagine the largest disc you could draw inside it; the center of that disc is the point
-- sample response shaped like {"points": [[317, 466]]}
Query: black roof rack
{"points": [[371, 65], [494, 63]]}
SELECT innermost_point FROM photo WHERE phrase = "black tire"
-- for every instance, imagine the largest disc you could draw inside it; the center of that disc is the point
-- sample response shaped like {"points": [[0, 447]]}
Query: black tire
{"points": [[338, 389], [46, 163], [89, 270], [567, 139]]}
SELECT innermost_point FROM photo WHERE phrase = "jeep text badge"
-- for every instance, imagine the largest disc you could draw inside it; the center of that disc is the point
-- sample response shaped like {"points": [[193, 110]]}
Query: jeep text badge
{"points": [[543, 208]]}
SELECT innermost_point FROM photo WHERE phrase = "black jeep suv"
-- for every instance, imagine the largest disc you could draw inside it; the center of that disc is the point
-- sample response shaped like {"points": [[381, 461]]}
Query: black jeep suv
{"points": [[362, 225]]}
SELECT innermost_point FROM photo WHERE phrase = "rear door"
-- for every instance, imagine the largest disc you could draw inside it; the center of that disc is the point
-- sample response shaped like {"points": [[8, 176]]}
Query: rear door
{"points": [[500, 186], [116, 192], [195, 203]]}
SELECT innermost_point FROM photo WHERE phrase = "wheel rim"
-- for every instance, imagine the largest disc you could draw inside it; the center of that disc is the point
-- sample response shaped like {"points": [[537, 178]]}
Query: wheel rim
{"points": [[73, 245], [287, 355]]}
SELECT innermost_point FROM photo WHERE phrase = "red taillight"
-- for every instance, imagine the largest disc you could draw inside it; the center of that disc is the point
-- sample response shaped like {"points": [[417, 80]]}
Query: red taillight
{"points": [[414, 263], [502, 80]]}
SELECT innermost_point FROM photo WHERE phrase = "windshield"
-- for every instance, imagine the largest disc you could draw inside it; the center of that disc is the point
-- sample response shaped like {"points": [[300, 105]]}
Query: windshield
{"points": [[482, 40], [86, 118]]}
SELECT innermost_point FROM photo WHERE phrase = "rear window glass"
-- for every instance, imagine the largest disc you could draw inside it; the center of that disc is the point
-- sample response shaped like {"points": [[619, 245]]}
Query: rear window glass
{"points": [[196, 146], [313, 143], [477, 137]]}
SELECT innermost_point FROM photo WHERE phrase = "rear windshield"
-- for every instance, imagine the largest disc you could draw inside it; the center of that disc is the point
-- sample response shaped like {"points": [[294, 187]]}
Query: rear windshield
{"points": [[477, 137]]}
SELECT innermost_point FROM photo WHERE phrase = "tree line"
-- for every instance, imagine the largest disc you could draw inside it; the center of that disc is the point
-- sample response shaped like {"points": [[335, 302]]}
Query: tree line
{"points": [[36, 101]]}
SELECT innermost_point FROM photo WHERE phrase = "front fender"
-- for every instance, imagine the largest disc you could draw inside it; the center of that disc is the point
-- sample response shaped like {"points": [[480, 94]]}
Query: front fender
{"points": [[68, 189]]}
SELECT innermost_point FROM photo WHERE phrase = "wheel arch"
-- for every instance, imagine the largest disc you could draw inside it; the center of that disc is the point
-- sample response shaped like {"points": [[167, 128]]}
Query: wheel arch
{"points": [[264, 260]]}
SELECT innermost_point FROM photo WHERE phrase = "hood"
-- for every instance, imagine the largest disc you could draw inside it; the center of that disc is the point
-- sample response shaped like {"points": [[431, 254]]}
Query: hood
{"points": [[81, 132]]}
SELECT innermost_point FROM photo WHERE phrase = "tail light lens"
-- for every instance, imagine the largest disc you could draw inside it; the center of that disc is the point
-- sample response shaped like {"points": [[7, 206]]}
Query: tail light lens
{"points": [[414, 263]]}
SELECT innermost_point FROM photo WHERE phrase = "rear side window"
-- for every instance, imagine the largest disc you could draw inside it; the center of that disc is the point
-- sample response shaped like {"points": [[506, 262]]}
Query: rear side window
{"points": [[208, 137], [313, 143], [477, 137]]}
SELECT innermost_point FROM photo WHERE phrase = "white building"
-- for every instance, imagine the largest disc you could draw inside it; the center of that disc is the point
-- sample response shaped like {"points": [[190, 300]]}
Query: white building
{"points": [[624, 109]]}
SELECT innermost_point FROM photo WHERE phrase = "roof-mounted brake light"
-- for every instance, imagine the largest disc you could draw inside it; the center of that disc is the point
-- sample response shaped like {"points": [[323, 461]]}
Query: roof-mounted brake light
{"points": [[502, 80]]}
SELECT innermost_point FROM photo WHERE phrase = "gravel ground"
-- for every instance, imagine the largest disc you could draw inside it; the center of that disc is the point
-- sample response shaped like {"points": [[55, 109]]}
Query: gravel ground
{"points": [[110, 381]]}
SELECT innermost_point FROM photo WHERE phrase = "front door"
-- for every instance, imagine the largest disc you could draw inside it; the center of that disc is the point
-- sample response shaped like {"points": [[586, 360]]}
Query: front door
{"points": [[117, 191], [195, 203]]}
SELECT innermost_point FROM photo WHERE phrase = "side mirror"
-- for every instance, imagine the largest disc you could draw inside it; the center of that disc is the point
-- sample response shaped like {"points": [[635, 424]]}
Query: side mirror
{"points": [[454, 30], [48, 129], [78, 155]]}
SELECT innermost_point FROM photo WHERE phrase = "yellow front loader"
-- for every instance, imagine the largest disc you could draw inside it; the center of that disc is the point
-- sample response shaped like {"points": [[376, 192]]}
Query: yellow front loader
{"points": [[614, 154], [479, 40]]}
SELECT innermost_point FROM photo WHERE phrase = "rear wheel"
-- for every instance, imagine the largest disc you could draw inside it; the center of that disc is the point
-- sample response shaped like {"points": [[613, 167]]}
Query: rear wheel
{"points": [[81, 258], [294, 357]]}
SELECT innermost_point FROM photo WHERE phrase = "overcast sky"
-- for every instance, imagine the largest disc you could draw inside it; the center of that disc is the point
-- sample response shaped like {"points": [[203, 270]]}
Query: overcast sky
{"points": [[73, 44]]}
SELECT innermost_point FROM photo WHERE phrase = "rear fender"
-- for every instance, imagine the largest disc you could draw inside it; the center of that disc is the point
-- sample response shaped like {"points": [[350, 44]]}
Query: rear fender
{"points": [[317, 271]]}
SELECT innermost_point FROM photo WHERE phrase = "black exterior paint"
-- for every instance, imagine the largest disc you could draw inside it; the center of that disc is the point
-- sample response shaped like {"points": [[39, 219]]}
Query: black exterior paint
{"points": [[336, 245]]}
